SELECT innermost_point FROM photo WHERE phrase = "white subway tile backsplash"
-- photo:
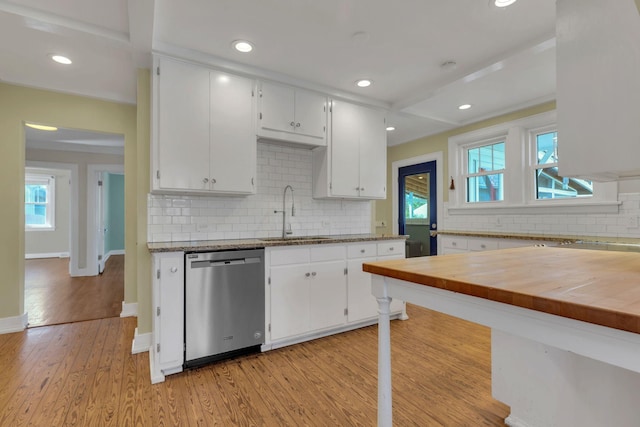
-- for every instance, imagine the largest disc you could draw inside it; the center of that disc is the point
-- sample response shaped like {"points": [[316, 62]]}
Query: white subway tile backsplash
{"points": [[182, 218], [588, 224]]}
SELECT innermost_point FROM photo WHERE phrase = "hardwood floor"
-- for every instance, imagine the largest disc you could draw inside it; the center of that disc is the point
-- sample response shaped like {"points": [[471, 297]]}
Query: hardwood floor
{"points": [[83, 374], [53, 297]]}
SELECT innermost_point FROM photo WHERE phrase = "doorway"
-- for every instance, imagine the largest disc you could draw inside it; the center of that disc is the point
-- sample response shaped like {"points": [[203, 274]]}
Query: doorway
{"points": [[417, 209], [59, 289]]}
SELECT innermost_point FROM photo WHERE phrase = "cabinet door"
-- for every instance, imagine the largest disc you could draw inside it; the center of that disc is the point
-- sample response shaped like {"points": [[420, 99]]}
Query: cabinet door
{"points": [[327, 294], [276, 107], [361, 302], [233, 137], [183, 126], [345, 153], [289, 300], [373, 154], [310, 114], [170, 311]]}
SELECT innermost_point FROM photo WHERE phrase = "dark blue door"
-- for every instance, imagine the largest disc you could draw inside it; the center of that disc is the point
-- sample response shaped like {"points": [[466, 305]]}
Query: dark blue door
{"points": [[417, 210]]}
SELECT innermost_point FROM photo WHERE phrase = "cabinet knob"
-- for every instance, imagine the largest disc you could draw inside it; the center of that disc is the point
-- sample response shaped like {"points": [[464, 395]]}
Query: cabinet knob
{"points": [[213, 181], [313, 273], [361, 188], [205, 180], [173, 269], [292, 124], [391, 248], [307, 275], [483, 246], [361, 251], [297, 125]]}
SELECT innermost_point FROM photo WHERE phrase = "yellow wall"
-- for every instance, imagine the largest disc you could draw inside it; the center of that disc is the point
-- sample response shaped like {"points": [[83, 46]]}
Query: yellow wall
{"points": [[433, 144], [20, 104]]}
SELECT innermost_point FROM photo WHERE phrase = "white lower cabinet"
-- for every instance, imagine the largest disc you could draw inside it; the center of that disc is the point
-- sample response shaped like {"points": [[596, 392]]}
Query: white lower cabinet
{"points": [[168, 314], [318, 290], [461, 244]]}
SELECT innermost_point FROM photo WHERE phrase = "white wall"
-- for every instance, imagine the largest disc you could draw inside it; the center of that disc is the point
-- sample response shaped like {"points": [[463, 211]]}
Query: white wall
{"points": [[183, 218], [51, 243]]}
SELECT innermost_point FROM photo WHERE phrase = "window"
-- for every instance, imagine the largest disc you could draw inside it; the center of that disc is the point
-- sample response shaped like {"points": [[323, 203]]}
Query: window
{"points": [[548, 183], [39, 202], [485, 173]]}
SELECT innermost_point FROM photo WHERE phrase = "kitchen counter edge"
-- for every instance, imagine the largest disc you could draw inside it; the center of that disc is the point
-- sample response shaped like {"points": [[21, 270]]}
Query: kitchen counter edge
{"points": [[545, 237], [221, 245]]}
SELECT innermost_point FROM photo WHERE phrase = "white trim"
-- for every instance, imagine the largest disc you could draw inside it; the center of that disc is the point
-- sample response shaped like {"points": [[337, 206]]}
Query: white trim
{"points": [[9, 325], [114, 252], [395, 166], [92, 214], [129, 309], [141, 342], [584, 208], [47, 255]]}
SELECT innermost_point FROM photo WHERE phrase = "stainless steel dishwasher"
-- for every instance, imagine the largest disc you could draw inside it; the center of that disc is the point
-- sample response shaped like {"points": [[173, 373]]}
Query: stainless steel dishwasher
{"points": [[224, 305]]}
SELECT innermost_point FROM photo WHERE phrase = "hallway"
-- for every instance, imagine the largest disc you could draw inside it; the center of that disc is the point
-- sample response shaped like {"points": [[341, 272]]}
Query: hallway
{"points": [[53, 297]]}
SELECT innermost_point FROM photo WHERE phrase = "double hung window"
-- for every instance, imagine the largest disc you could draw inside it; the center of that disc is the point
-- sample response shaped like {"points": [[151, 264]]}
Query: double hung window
{"points": [[485, 172], [39, 202]]}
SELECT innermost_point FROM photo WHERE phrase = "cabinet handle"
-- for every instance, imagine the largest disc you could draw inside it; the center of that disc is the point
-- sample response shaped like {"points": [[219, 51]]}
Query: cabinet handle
{"points": [[453, 243], [361, 188], [174, 269], [213, 181], [205, 180], [361, 251], [313, 273], [391, 248], [483, 246], [307, 275], [297, 125], [292, 124]]}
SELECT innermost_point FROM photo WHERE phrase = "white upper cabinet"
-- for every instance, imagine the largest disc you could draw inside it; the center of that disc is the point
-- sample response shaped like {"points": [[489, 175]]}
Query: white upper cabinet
{"points": [[598, 88], [354, 164], [292, 115], [204, 138]]}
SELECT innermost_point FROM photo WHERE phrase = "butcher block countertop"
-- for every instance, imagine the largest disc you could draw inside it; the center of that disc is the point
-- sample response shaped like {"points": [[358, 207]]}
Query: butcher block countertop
{"points": [[593, 286]]}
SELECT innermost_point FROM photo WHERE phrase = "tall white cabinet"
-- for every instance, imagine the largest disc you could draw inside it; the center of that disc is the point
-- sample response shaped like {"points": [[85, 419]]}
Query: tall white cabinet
{"points": [[204, 131], [354, 164]]}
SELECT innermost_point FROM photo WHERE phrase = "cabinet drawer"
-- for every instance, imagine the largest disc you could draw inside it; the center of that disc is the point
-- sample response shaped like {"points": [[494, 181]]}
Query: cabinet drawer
{"points": [[288, 256], [362, 250], [482, 245], [321, 253], [454, 243], [395, 247]]}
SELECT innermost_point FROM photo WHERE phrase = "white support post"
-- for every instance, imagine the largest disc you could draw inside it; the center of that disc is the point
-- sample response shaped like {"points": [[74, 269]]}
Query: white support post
{"points": [[384, 361]]}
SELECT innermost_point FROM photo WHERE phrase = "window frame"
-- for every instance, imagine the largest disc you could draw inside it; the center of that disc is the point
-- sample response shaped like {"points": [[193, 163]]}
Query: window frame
{"points": [[50, 182], [519, 177]]}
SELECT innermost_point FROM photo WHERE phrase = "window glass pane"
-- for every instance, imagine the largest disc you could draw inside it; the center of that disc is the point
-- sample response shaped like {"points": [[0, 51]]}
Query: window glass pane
{"points": [[485, 188], [416, 207], [35, 193], [473, 160], [35, 214], [547, 148], [550, 185]]}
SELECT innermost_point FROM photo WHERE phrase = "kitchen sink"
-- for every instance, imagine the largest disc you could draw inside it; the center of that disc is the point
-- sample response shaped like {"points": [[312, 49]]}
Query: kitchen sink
{"points": [[293, 239]]}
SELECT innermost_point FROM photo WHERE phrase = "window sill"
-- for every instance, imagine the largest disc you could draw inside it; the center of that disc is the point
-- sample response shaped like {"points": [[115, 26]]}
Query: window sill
{"points": [[606, 207], [40, 229]]}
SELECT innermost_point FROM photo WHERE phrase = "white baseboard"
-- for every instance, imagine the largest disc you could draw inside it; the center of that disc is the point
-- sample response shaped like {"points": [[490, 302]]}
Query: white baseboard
{"points": [[141, 342], [47, 255], [129, 309], [115, 252], [13, 324]]}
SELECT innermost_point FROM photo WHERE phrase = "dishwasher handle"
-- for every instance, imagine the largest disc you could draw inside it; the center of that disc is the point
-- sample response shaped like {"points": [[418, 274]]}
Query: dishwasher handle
{"points": [[224, 263]]}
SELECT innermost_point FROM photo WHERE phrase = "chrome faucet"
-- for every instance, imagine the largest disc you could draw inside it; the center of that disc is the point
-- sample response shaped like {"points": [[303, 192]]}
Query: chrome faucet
{"points": [[284, 212]]}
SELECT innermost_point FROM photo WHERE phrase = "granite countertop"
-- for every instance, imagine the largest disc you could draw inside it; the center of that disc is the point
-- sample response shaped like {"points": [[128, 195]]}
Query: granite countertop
{"points": [[220, 245], [546, 237]]}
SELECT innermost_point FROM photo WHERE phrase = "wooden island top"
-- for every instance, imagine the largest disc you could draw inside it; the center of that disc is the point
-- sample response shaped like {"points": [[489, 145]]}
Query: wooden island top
{"points": [[598, 287]]}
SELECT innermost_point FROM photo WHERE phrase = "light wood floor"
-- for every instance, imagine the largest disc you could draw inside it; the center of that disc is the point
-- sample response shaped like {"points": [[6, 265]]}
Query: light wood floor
{"points": [[52, 296], [83, 374]]}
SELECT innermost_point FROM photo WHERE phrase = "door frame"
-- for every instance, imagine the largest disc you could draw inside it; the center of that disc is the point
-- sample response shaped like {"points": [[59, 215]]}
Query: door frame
{"points": [[438, 157], [94, 171]]}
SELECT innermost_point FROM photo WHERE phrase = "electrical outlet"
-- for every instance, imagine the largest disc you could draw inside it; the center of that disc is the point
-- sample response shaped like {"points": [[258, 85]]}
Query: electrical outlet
{"points": [[632, 222], [382, 223]]}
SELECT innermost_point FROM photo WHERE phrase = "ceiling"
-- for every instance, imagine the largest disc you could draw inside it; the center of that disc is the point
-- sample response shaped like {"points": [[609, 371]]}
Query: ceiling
{"points": [[504, 57], [74, 140]]}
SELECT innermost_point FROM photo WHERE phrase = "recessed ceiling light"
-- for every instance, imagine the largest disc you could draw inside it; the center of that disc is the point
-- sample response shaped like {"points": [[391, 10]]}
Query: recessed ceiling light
{"points": [[504, 3], [391, 128], [61, 59], [464, 107], [242, 46], [42, 127], [363, 83]]}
